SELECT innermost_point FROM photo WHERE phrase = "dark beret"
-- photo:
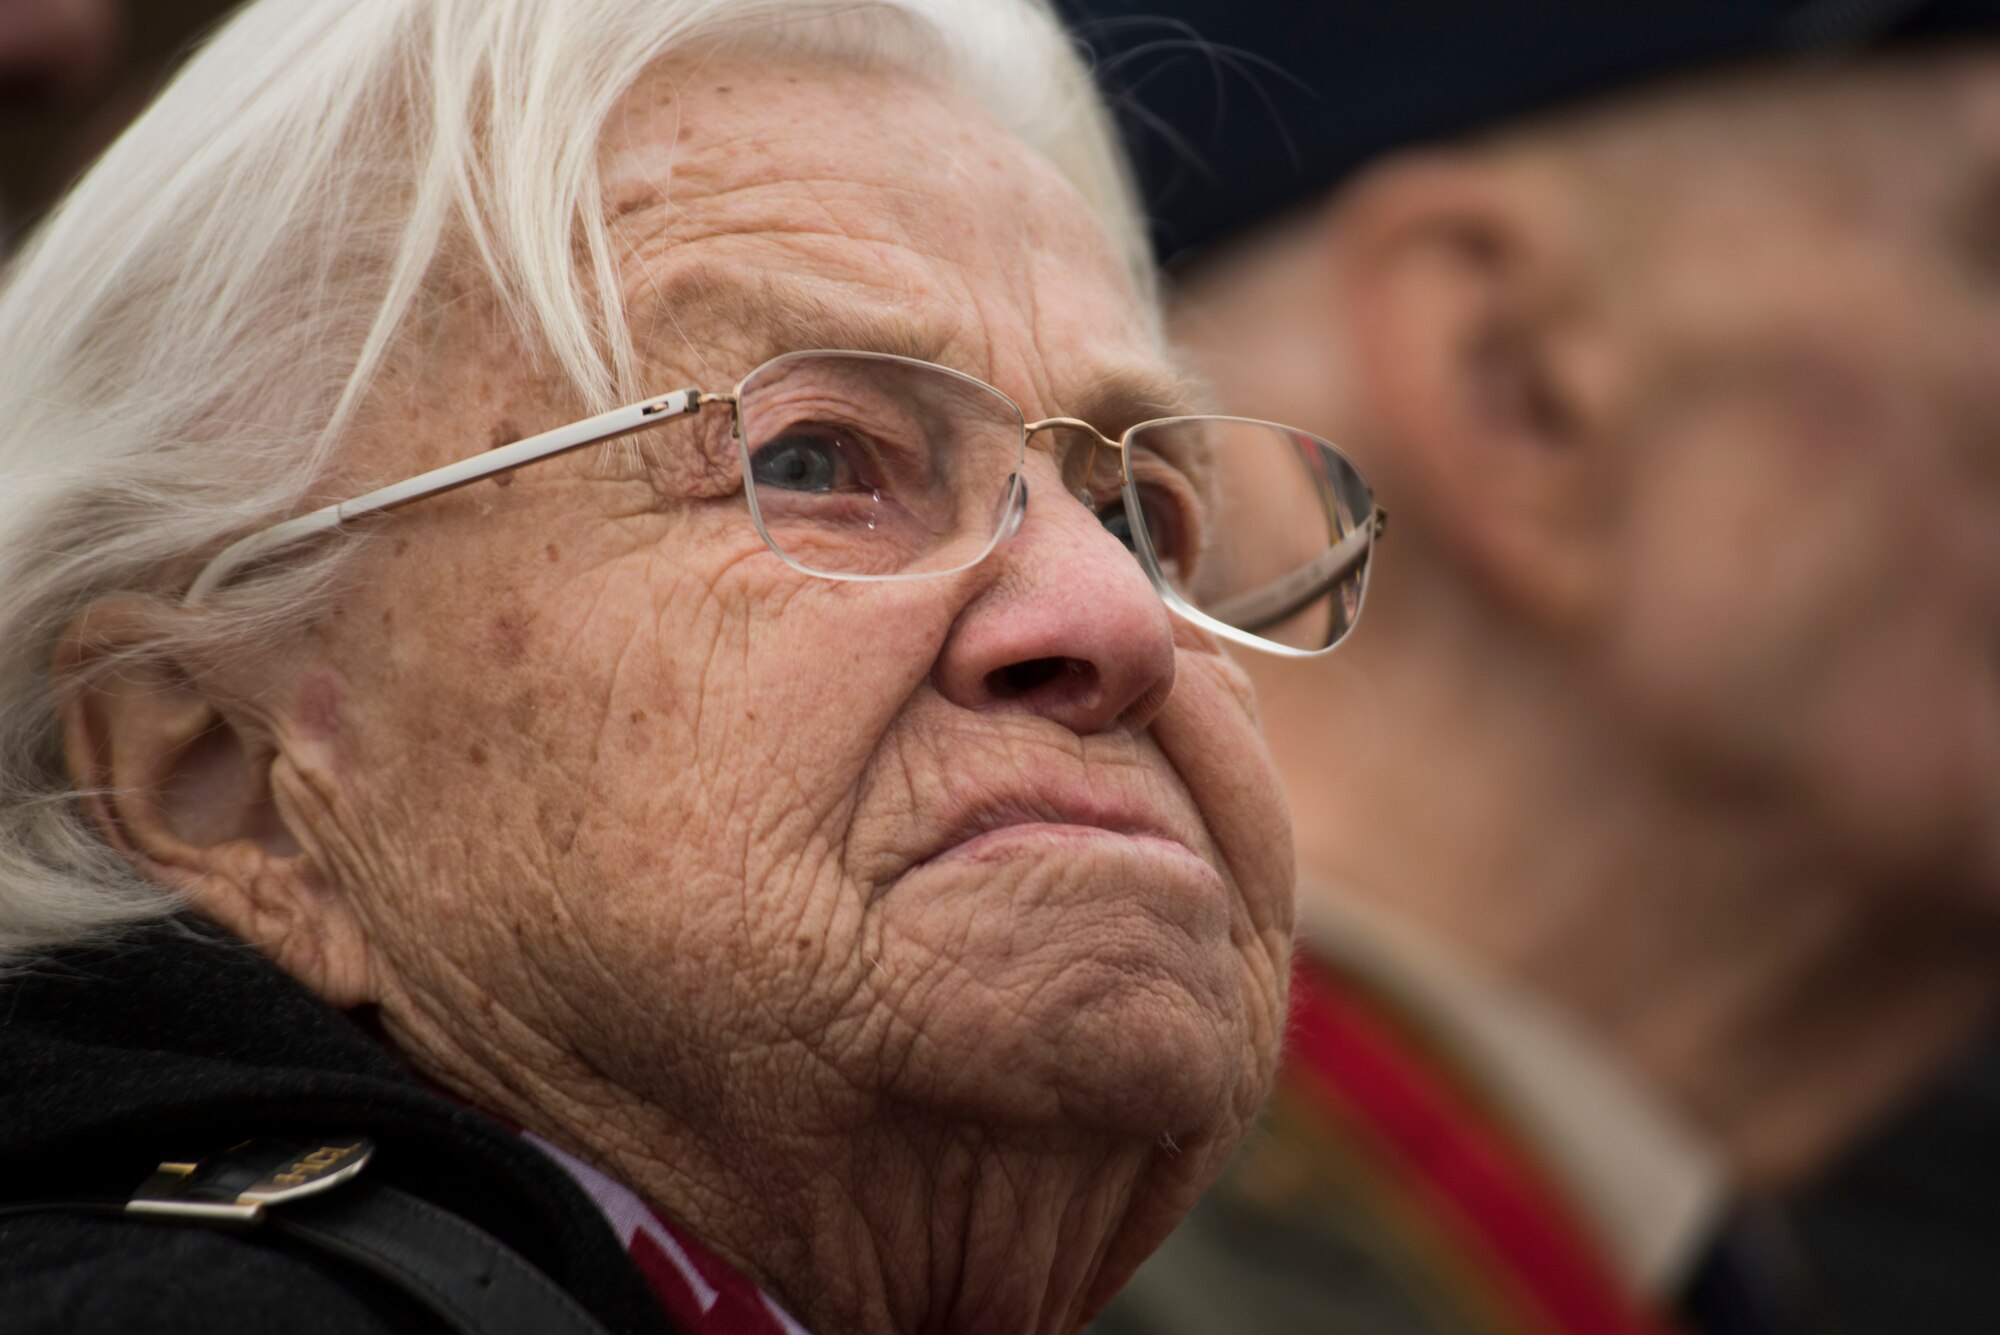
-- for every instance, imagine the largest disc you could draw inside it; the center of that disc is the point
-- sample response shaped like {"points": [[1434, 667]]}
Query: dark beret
{"points": [[1236, 110]]}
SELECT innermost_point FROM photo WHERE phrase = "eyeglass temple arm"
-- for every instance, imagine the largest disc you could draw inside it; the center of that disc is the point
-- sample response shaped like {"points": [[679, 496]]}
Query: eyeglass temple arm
{"points": [[463, 472], [1288, 595]]}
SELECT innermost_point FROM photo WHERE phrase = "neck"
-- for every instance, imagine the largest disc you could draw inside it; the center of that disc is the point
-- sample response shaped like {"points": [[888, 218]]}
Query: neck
{"points": [[946, 1230], [973, 1235], [1778, 1001], [867, 1224]]}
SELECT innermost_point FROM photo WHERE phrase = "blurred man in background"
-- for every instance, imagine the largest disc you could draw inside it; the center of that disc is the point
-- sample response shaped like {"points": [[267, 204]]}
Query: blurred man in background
{"points": [[1650, 846]]}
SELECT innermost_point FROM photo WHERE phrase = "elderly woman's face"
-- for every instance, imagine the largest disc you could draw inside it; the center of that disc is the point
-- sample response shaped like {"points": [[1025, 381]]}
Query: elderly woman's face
{"points": [[613, 792]]}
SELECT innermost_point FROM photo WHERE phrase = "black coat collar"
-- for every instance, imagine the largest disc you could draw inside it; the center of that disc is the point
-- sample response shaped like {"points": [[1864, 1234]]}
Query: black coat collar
{"points": [[172, 1039]]}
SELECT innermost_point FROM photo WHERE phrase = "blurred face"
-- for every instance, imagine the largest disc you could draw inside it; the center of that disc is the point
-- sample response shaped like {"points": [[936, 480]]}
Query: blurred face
{"points": [[1809, 559], [614, 788]]}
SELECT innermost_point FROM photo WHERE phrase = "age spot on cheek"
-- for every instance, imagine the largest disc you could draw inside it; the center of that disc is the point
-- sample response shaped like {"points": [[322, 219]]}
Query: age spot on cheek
{"points": [[639, 735], [510, 638]]}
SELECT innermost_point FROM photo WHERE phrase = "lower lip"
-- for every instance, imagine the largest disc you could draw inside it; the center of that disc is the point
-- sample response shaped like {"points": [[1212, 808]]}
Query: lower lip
{"points": [[1014, 840]]}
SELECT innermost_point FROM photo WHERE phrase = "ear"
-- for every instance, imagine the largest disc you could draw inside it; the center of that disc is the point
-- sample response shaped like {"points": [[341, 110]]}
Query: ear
{"points": [[174, 771], [1466, 290]]}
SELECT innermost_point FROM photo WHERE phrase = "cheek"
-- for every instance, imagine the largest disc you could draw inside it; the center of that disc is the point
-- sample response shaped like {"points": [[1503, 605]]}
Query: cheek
{"points": [[1906, 750], [1761, 537], [736, 721], [1209, 733], [635, 773], [1792, 614], [1739, 565]]}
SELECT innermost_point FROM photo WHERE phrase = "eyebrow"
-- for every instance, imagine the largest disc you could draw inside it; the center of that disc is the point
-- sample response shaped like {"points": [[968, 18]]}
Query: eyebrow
{"points": [[1131, 395], [776, 315]]}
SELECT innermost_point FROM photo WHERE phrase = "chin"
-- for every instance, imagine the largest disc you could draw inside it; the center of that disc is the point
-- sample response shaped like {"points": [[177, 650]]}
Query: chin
{"points": [[1108, 1045], [1096, 1001], [1152, 1061]]}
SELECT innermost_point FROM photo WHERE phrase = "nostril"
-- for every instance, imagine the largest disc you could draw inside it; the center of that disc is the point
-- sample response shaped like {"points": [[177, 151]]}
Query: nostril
{"points": [[1034, 675]]}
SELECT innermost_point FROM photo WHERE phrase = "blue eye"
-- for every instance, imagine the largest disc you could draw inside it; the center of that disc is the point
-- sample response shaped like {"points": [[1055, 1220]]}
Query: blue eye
{"points": [[1118, 524], [1166, 520], [801, 462]]}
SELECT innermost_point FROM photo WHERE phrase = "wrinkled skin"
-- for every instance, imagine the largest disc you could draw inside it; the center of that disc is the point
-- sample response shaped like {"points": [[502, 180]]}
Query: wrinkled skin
{"points": [[636, 835]]}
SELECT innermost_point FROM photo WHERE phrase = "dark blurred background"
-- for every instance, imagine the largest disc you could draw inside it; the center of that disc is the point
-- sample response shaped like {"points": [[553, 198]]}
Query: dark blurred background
{"points": [[72, 74]]}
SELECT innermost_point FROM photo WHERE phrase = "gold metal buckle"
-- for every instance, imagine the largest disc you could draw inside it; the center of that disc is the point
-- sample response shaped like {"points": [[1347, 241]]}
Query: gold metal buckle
{"points": [[235, 1185]]}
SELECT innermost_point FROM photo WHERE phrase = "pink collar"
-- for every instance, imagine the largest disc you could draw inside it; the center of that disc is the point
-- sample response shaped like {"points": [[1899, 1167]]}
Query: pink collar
{"points": [[703, 1294]]}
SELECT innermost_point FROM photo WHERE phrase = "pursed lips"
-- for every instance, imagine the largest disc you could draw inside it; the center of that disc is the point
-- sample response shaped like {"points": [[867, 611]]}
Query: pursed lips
{"points": [[996, 819]]}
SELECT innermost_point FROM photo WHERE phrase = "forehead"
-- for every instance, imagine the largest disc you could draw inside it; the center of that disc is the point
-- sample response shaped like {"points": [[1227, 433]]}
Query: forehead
{"points": [[760, 207]]}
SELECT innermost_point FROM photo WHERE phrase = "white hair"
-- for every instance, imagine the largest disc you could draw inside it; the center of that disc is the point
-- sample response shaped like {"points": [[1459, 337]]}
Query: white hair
{"points": [[190, 334]]}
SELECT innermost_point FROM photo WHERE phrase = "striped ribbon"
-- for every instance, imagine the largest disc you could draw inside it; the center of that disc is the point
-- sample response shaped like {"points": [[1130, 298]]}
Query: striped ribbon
{"points": [[1479, 1222]]}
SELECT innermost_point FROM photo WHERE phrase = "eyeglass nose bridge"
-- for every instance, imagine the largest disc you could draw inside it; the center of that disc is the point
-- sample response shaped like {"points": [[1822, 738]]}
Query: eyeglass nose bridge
{"points": [[1033, 429], [1098, 440]]}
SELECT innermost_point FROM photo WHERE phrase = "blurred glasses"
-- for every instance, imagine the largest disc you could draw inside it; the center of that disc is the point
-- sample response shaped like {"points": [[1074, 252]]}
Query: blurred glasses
{"points": [[865, 466]]}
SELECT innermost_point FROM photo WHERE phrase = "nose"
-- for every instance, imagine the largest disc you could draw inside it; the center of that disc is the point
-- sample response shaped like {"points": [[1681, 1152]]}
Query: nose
{"points": [[1066, 626]]}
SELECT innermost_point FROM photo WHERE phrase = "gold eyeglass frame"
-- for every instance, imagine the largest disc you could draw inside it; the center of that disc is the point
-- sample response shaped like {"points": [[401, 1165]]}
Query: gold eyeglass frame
{"points": [[1264, 606]]}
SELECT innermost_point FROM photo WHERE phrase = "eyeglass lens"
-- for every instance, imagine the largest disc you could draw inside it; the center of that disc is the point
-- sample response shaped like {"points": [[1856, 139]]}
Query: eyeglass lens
{"points": [[1274, 536], [862, 465]]}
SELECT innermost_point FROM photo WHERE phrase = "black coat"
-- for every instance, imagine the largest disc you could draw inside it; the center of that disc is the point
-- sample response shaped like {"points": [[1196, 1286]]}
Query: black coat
{"points": [[177, 1041]]}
